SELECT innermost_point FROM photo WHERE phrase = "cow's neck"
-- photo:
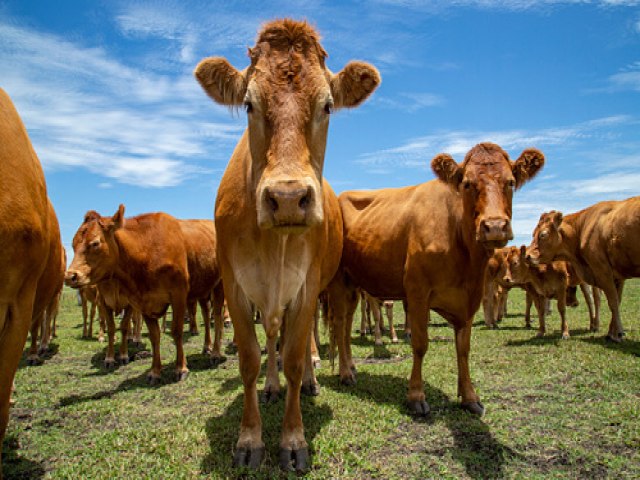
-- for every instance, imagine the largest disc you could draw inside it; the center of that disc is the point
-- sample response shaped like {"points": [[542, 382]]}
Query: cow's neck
{"points": [[124, 266], [571, 231]]}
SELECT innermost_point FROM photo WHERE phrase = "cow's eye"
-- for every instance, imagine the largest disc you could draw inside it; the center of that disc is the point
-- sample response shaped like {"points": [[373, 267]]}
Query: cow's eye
{"points": [[466, 185], [328, 107], [248, 106], [511, 184], [94, 244], [544, 234]]}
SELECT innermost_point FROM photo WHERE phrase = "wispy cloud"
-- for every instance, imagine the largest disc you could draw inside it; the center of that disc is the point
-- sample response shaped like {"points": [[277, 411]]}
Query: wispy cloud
{"points": [[87, 110], [410, 102], [417, 151], [438, 5]]}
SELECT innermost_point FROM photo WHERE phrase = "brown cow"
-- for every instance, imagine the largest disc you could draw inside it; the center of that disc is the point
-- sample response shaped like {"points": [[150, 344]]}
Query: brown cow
{"points": [[495, 291], [278, 222], [145, 261], [372, 306], [205, 282], [429, 244], [541, 282], [29, 232], [601, 242]]}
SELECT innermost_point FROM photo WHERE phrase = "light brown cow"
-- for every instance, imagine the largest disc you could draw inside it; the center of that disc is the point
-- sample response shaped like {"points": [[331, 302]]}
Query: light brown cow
{"points": [[278, 222], [144, 260], [29, 232], [601, 242], [371, 306], [205, 282], [429, 244]]}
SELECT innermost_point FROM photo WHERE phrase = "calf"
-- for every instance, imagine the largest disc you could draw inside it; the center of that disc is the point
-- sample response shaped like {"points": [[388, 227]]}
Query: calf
{"points": [[30, 233], [278, 222], [601, 242], [495, 290], [372, 306], [429, 244], [541, 282], [142, 262], [89, 303]]}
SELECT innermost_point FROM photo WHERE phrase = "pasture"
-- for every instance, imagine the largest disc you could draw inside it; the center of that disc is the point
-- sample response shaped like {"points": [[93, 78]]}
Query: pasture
{"points": [[561, 409]]}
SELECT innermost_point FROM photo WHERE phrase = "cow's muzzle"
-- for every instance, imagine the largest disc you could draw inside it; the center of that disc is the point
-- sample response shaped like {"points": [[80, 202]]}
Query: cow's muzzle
{"points": [[495, 232], [288, 205], [74, 279]]}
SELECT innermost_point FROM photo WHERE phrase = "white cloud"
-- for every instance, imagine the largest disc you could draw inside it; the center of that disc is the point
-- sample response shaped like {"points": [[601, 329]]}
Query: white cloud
{"points": [[84, 109]]}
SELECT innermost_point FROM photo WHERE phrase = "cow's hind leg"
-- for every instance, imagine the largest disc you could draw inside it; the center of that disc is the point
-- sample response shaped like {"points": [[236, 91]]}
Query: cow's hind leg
{"points": [[179, 307], [418, 317], [218, 325]]}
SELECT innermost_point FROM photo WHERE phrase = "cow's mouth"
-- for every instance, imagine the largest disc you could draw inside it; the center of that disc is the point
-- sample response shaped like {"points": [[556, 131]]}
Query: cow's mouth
{"points": [[290, 228]]}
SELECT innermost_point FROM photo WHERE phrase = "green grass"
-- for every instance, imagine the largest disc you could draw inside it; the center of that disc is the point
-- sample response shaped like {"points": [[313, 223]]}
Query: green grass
{"points": [[555, 409]]}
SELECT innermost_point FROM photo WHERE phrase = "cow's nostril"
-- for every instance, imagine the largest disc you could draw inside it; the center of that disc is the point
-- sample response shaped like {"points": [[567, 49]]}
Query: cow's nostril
{"points": [[74, 277], [273, 203], [304, 201]]}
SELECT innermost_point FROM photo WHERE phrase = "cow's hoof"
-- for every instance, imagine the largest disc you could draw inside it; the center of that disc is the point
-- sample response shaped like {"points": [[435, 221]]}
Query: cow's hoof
{"points": [[270, 396], [610, 338], [378, 343], [109, 363], [348, 381], [34, 360], [216, 360], [43, 350], [539, 335], [153, 379], [227, 324], [207, 350], [181, 375], [248, 457], [294, 460], [473, 407], [310, 390], [124, 359], [407, 337], [194, 333], [565, 336], [394, 340], [419, 408], [316, 363]]}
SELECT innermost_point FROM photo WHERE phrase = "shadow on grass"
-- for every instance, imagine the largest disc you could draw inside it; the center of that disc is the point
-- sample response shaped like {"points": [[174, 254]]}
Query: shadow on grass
{"points": [[222, 431], [16, 467], [630, 347], [51, 352], [474, 445]]}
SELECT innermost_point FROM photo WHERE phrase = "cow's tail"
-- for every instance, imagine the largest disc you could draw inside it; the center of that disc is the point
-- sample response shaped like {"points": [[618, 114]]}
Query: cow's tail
{"points": [[329, 326]]}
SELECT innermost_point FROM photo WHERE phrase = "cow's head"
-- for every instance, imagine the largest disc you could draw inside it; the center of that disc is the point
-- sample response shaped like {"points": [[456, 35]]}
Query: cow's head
{"points": [[95, 251], [547, 238], [516, 267], [486, 181], [289, 95]]}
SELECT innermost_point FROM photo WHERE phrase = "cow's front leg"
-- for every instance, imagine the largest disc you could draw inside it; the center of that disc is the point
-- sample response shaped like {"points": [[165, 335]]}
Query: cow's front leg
{"points": [[109, 359], [310, 385], [294, 452], [218, 325], [418, 318], [125, 326], [470, 400], [249, 448]]}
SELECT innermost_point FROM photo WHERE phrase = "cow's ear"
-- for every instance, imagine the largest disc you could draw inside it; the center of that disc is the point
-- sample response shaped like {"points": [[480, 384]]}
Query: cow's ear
{"points": [[556, 218], [353, 84], [446, 169], [221, 81], [91, 215], [527, 166], [523, 252], [118, 218]]}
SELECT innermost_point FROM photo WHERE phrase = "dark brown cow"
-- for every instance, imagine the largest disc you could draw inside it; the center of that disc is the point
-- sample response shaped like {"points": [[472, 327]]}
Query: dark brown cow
{"points": [[601, 242], [29, 232], [278, 222], [144, 260], [429, 244], [205, 282]]}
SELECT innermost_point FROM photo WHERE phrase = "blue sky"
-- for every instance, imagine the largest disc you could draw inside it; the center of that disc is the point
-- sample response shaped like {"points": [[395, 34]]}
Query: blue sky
{"points": [[107, 94]]}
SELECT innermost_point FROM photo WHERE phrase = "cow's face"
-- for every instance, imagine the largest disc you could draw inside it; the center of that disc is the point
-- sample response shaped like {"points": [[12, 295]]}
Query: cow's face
{"points": [[289, 95], [486, 181], [516, 267], [547, 238], [95, 253]]}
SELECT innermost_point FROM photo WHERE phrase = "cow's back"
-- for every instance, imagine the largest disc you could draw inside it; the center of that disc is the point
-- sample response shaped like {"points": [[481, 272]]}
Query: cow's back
{"points": [[387, 229], [612, 229]]}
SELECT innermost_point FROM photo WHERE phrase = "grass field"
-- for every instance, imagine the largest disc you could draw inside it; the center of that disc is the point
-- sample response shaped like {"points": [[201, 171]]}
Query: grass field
{"points": [[555, 409]]}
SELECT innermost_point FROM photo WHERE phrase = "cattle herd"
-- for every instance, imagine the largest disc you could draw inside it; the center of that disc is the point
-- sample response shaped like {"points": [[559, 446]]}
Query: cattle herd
{"points": [[282, 239]]}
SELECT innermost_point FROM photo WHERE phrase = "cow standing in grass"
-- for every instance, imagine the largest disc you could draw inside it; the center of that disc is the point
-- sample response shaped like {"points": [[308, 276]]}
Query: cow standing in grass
{"points": [[601, 242], [429, 244], [144, 262], [31, 248], [278, 222]]}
